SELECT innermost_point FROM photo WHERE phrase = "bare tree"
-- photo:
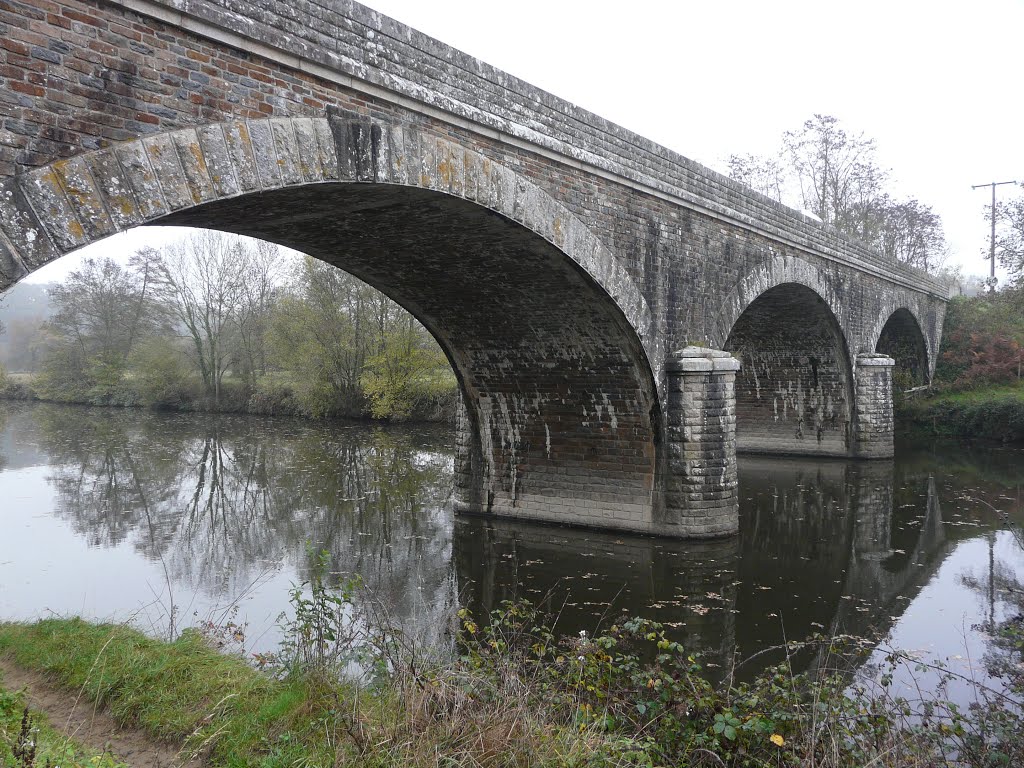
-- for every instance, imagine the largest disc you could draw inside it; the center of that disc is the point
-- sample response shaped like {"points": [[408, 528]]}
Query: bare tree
{"points": [[201, 282], [907, 231], [833, 174], [764, 174], [102, 309], [261, 281], [836, 171]]}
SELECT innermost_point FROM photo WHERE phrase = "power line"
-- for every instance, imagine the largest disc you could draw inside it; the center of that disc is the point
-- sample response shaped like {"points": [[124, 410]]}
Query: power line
{"points": [[992, 242]]}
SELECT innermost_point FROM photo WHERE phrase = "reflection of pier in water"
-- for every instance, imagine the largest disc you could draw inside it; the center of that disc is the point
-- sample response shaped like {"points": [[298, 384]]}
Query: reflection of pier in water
{"points": [[825, 547]]}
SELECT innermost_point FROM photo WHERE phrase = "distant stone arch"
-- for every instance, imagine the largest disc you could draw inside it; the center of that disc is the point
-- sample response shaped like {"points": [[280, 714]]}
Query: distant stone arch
{"points": [[776, 271], [898, 333]]}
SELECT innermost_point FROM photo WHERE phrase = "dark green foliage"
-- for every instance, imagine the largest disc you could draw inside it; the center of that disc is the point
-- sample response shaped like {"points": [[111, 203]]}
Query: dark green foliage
{"points": [[978, 387], [983, 341]]}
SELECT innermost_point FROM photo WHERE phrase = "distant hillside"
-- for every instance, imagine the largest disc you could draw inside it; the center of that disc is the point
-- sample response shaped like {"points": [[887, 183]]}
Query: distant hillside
{"points": [[22, 310]]}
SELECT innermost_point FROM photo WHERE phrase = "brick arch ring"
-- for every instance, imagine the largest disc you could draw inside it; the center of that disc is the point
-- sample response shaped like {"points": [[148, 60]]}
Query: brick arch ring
{"points": [[778, 270], [58, 208], [892, 307]]}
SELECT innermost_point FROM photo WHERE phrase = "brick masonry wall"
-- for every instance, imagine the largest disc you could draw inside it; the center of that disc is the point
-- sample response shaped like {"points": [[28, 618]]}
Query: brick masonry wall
{"points": [[566, 353]]}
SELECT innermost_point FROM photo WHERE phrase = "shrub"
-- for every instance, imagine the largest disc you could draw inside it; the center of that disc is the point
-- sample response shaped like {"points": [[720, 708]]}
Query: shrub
{"points": [[162, 375], [273, 398]]}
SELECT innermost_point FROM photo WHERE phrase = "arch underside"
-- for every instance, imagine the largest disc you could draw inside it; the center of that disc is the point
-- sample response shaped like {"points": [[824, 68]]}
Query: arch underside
{"points": [[901, 339], [793, 392], [561, 404]]}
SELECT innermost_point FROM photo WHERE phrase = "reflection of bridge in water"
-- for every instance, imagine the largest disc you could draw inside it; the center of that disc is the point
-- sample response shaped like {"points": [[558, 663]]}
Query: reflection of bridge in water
{"points": [[825, 547]]}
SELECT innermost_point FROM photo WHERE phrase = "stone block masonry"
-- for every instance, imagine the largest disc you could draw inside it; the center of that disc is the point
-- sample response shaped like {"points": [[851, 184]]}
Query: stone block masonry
{"points": [[874, 406], [701, 495], [555, 256]]}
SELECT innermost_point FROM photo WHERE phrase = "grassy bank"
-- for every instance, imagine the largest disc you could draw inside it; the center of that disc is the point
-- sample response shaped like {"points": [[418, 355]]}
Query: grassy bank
{"points": [[516, 696], [27, 739], [994, 412], [272, 396]]}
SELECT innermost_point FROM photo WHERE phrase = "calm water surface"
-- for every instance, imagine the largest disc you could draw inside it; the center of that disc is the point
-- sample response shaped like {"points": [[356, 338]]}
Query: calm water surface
{"points": [[186, 518]]}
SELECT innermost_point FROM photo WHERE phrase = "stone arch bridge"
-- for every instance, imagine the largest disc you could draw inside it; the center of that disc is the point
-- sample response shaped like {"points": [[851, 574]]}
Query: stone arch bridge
{"points": [[618, 316]]}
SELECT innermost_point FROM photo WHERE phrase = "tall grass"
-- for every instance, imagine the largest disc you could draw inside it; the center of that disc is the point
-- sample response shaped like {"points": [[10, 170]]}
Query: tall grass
{"points": [[359, 692]]}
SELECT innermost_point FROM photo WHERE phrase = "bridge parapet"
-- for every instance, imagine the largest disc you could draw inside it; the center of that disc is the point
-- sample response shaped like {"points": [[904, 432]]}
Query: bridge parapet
{"points": [[354, 46]]}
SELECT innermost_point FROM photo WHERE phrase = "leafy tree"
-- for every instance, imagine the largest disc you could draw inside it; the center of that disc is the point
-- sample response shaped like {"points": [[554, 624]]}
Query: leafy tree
{"points": [[352, 350], [321, 331], [408, 372], [163, 375], [1010, 241]]}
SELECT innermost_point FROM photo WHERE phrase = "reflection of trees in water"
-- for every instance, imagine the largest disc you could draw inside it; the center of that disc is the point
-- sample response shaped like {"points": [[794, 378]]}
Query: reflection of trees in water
{"points": [[825, 545], [113, 479], [3, 426], [999, 587], [223, 499]]}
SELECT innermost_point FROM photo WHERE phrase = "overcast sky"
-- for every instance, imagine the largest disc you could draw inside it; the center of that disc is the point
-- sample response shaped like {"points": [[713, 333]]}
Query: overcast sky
{"points": [[937, 84]]}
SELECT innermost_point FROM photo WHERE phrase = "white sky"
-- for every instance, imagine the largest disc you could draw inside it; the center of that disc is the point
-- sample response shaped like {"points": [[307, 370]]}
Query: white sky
{"points": [[937, 84]]}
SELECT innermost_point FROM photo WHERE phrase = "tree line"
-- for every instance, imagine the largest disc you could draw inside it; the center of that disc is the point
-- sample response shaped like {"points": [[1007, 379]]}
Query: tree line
{"points": [[226, 323], [832, 173]]}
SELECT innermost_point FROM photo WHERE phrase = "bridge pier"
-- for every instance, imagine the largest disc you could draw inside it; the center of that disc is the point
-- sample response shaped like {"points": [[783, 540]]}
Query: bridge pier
{"points": [[873, 433], [701, 497]]}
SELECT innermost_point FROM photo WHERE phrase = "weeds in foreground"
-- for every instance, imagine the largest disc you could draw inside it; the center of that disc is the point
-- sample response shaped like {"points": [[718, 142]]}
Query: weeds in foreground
{"points": [[351, 689]]}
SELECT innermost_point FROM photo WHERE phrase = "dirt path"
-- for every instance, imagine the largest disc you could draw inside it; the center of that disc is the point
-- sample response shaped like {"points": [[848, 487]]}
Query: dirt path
{"points": [[80, 720]]}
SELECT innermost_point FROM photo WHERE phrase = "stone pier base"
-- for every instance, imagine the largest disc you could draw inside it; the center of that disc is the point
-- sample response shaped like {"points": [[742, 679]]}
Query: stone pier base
{"points": [[701, 497], [874, 418]]}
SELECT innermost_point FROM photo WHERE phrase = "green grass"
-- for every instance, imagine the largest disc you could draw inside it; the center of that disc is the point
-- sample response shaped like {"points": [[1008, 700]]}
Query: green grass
{"points": [[182, 692], [27, 739], [519, 697], [990, 413], [983, 395]]}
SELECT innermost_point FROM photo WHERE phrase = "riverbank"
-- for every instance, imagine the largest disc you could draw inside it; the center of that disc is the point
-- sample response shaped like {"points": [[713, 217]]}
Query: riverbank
{"points": [[42, 725], [993, 413], [517, 696], [271, 397], [28, 737]]}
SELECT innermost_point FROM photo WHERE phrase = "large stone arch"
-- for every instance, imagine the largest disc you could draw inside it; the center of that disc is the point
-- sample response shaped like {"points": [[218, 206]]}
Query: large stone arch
{"points": [[560, 379], [61, 207], [795, 389]]}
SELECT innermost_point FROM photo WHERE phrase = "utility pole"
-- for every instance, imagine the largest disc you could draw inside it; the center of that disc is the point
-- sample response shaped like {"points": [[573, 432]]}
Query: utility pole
{"points": [[992, 242]]}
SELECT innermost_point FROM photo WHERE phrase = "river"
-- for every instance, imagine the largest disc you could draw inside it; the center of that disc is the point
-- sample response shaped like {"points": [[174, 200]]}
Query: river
{"points": [[174, 520]]}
